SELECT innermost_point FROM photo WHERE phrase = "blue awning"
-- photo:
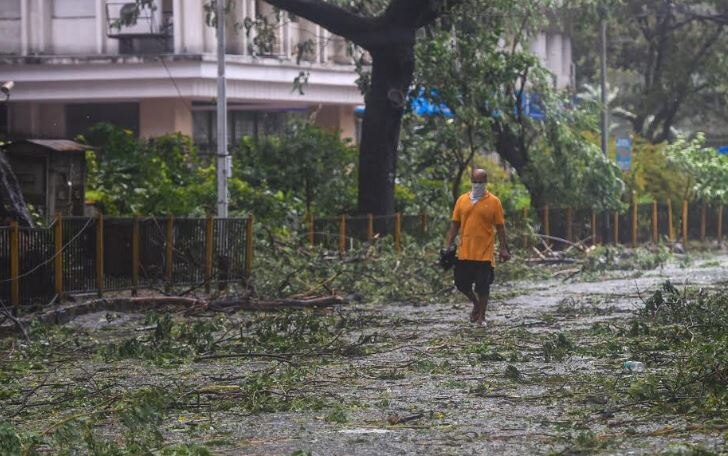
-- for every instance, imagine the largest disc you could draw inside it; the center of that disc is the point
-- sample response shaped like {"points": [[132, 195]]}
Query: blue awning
{"points": [[424, 106], [723, 149]]}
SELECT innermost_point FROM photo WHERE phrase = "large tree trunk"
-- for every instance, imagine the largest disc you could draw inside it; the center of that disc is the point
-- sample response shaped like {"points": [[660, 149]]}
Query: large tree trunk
{"points": [[13, 205], [512, 148], [392, 72], [390, 39]]}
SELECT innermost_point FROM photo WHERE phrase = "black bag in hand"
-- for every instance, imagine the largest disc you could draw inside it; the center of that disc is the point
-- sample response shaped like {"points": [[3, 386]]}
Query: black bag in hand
{"points": [[448, 257]]}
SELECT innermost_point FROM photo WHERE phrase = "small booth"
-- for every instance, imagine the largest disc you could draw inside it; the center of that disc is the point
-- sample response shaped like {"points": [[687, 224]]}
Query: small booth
{"points": [[51, 174]]}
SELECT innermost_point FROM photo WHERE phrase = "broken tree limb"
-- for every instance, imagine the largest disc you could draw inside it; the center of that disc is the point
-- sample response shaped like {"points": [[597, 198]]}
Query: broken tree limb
{"points": [[551, 260], [558, 239], [66, 313], [538, 252], [278, 304]]}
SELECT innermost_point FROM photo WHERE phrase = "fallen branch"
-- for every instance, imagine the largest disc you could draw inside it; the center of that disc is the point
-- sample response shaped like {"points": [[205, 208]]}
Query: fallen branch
{"points": [[277, 304], [569, 272], [66, 313], [562, 240], [551, 260], [18, 324], [396, 419]]}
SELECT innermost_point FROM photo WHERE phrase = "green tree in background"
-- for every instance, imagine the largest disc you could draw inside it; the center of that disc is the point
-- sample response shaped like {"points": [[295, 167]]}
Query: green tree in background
{"points": [[312, 167], [705, 171], [275, 176], [668, 58], [473, 62]]}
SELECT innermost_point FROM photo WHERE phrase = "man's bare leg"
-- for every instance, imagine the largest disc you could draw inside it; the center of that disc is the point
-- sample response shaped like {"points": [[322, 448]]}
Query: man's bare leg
{"points": [[476, 305], [482, 307]]}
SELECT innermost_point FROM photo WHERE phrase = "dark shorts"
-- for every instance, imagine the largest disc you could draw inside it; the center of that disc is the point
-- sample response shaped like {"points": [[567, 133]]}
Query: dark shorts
{"points": [[478, 273]]}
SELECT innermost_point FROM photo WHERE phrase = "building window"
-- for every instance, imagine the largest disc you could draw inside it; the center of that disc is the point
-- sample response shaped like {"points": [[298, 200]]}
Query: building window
{"points": [[240, 124], [74, 9], [4, 120], [10, 9], [81, 117]]}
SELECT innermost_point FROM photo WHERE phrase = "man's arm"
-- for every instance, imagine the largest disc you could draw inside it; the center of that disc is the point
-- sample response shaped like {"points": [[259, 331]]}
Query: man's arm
{"points": [[451, 233], [503, 252]]}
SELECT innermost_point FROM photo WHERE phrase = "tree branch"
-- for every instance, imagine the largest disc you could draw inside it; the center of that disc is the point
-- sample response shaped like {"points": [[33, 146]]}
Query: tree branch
{"points": [[335, 19]]}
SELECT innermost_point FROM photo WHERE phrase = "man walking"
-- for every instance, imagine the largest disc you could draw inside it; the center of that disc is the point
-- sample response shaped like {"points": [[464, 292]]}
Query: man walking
{"points": [[477, 216]]}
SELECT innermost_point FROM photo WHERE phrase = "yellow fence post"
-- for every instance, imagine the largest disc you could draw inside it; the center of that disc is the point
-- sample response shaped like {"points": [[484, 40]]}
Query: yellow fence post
{"points": [[634, 222], [135, 252], [310, 233], [15, 265], [100, 254], [655, 235], [169, 252], [569, 232], [703, 216], [525, 225], [685, 224], [720, 225], [342, 234], [546, 224], [58, 255], [616, 227], [670, 227], [594, 226], [370, 227], [249, 245], [398, 232], [209, 240]]}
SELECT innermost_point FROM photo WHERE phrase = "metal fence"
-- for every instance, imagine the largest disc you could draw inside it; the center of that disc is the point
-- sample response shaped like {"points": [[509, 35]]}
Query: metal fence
{"points": [[639, 224], [347, 232], [96, 255]]}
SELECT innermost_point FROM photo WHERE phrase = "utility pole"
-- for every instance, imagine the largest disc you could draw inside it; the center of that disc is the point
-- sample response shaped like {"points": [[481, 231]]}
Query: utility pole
{"points": [[603, 81], [223, 159]]}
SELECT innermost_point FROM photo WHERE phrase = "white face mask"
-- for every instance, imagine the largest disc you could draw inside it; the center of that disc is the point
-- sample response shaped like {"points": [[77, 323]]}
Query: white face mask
{"points": [[478, 191]]}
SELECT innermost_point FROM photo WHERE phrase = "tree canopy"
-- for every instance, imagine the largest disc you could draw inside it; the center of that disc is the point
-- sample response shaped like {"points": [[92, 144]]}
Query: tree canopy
{"points": [[667, 56]]}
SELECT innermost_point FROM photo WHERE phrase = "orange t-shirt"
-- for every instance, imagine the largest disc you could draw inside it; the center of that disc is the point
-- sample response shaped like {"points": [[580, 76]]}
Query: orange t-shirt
{"points": [[477, 226]]}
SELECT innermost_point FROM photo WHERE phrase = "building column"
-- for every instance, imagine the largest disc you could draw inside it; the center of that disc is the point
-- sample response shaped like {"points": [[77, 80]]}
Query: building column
{"points": [[164, 116], [177, 28], [100, 26], [24, 27], [325, 37], [193, 26]]}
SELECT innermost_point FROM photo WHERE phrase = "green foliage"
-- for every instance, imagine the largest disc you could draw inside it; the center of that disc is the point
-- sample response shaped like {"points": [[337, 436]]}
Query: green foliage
{"points": [[337, 415], [365, 272], [127, 175], [139, 413], [652, 175], [274, 176], [668, 57], [466, 64], [309, 168], [168, 344], [10, 441], [572, 171], [557, 347], [606, 257], [682, 337], [705, 171]]}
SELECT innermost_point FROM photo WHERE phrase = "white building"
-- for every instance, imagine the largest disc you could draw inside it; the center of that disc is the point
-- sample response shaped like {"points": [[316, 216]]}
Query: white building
{"points": [[72, 69]]}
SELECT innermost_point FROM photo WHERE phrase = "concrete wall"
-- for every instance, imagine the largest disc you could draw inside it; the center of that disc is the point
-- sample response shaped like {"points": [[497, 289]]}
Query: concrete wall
{"points": [[337, 118], [73, 27], [162, 116], [10, 27], [37, 120], [553, 49]]}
